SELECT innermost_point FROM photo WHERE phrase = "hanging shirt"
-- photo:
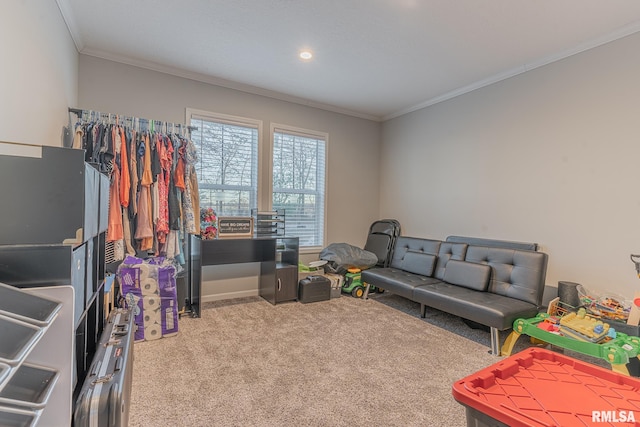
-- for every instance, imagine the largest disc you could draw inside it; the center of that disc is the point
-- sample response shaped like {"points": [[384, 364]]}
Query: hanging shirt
{"points": [[87, 142], [144, 224], [147, 178], [165, 154], [178, 175], [78, 136], [191, 200], [144, 230], [133, 169], [125, 179], [174, 206], [115, 230], [128, 241]]}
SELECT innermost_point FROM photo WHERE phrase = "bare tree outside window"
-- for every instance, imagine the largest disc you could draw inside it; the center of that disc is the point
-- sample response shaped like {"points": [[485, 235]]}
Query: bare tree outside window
{"points": [[298, 184], [227, 168]]}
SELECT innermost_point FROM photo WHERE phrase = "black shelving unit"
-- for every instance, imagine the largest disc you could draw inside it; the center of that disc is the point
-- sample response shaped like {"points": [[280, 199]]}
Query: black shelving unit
{"points": [[287, 257]]}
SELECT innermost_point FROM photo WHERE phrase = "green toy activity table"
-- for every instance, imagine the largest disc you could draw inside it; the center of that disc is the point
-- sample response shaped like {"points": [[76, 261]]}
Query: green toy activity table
{"points": [[616, 351]]}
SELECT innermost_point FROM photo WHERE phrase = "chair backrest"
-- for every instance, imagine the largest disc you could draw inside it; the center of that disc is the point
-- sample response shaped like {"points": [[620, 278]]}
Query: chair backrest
{"points": [[390, 227], [381, 239], [379, 244]]}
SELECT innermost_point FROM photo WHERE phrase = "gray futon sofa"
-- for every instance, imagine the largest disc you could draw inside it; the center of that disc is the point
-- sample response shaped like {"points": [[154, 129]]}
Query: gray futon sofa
{"points": [[489, 282]]}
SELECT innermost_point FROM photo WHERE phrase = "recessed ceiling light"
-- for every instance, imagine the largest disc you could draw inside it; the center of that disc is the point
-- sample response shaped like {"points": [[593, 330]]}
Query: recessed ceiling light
{"points": [[306, 55]]}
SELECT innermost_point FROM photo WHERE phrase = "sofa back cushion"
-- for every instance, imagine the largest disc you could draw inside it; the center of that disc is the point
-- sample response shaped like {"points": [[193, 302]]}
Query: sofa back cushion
{"points": [[448, 251], [415, 255], [517, 274], [468, 274], [418, 263]]}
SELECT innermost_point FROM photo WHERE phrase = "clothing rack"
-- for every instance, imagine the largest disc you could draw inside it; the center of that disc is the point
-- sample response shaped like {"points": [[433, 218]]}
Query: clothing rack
{"points": [[134, 122], [153, 198]]}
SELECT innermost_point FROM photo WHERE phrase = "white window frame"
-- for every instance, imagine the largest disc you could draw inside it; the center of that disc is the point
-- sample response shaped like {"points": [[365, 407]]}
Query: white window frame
{"points": [[236, 121], [310, 134]]}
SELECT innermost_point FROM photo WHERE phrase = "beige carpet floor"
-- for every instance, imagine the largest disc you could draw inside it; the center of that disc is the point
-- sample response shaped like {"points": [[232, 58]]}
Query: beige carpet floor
{"points": [[343, 362]]}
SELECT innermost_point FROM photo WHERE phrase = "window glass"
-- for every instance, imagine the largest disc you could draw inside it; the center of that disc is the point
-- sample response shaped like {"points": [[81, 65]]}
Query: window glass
{"points": [[299, 183], [227, 166]]}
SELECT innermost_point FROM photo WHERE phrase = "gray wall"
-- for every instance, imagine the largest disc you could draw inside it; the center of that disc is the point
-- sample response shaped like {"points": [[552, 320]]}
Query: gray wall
{"points": [[38, 76], [550, 156], [353, 149]]}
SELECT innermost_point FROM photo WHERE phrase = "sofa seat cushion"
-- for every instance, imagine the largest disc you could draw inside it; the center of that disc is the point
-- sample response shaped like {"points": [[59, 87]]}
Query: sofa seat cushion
{"points": [[493, 310], [396, 281]]}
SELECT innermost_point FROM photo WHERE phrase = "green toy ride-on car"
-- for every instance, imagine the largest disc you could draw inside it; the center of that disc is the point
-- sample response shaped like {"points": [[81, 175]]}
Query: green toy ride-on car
{"points": [[353, 283]]}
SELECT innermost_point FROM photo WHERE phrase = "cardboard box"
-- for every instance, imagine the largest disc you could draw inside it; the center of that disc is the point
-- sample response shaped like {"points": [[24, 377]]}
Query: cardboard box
{"points": [[337, 281]]}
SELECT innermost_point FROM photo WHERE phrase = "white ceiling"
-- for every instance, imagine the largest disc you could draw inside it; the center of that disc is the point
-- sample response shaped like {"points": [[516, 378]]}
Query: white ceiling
{"points": [[374, 59]]}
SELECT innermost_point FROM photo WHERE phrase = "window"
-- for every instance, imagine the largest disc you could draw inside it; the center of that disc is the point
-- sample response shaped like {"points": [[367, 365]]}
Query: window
{"points": [[299, 182], [227, 165]]}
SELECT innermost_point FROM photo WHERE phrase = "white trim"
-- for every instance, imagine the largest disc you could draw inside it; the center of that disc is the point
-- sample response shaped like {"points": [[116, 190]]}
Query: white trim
{"points": [[620, 33], [70, 21], [268, 198], [457, 92], [326, 191], [305, 133], [223, 118]]}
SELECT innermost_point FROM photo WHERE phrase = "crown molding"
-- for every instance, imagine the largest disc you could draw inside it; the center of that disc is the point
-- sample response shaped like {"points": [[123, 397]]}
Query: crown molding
{"points": [[620, 33], [69, 19]]}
